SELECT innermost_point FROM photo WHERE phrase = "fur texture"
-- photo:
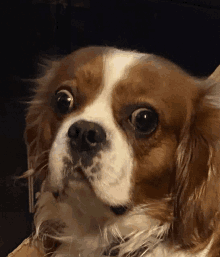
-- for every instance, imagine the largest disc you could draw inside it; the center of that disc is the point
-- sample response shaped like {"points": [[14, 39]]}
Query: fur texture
{"points": [[125, 146]]}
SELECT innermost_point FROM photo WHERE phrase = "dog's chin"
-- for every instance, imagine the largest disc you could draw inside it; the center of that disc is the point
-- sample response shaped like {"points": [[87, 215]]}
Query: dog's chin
{"points": [[77, 178], [77, 175], [73, 171]]}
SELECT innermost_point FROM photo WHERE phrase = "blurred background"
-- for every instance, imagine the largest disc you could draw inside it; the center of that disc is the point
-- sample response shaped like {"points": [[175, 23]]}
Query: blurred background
{"points": [[186, 32]]}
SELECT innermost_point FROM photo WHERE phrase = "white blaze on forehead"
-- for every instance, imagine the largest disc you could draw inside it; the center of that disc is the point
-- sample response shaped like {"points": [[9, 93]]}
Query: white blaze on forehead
{"points": [[116, 63], [113, 183]]}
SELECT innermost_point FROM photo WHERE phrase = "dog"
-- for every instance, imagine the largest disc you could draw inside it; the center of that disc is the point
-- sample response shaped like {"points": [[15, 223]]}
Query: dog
{"points": [[125, 146]]}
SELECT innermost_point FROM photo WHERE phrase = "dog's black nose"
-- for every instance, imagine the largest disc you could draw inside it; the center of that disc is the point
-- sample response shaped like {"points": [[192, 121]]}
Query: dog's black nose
{"points": [[85, 136]]}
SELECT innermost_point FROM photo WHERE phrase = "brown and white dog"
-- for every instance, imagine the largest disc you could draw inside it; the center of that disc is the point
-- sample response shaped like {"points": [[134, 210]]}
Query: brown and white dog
{"points": [[127, 148]]}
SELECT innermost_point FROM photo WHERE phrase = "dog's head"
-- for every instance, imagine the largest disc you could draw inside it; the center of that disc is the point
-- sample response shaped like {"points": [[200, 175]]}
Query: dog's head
{"points": [[135, 130]]}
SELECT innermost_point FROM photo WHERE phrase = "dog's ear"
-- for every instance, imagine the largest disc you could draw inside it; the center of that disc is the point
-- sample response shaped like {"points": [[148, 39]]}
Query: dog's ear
{"points": [[37, 138], [40, 124], [215, 76], [197, 182]]}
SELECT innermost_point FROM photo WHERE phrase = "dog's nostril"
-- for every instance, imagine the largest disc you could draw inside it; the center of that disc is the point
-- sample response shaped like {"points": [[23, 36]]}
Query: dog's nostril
{"points": [[91, 136], [94, 136]]}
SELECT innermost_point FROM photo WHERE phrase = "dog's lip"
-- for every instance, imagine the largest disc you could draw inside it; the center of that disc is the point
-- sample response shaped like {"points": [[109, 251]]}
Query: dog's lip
{"points": [[77, 174]]}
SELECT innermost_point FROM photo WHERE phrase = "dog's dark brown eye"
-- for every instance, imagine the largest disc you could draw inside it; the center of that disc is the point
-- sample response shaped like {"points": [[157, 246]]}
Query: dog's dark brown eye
{"points": [[144, 120], [64, 101]]}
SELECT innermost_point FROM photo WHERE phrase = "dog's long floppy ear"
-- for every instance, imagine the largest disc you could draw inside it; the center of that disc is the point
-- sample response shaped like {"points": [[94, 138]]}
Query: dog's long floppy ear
{"points": [[40, 124], [197, 182]]}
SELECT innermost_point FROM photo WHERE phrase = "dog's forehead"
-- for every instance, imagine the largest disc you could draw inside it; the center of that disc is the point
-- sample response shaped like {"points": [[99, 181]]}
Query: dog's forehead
{"points": [[107, 62], [96, 69], [117, 64], [113, 65], [127, 76], [83, 56], [85, 59]]}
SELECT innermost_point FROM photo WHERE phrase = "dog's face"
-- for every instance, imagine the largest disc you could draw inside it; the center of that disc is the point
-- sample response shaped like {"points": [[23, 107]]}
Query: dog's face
{"points": [[122, 124]]}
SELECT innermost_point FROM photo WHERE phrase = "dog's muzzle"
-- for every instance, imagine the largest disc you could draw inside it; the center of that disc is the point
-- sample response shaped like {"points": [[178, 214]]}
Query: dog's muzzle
{"points": [[86, 139]]}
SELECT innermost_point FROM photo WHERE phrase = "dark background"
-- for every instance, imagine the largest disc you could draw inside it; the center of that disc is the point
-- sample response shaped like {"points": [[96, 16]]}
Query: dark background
{"points": [[186, 32]]}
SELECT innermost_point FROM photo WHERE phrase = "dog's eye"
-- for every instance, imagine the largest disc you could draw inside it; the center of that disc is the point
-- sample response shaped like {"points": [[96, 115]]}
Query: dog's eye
{"points": [[144, 120], [64, 101]]}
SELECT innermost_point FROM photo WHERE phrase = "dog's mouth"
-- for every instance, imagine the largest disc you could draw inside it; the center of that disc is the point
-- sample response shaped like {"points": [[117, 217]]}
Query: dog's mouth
{"points": [[73, 172], [77, 174]]}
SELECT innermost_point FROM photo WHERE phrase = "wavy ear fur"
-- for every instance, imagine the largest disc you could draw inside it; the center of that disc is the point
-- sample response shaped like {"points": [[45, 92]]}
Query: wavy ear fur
{"points": [[197, 182], [39, 124]]}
